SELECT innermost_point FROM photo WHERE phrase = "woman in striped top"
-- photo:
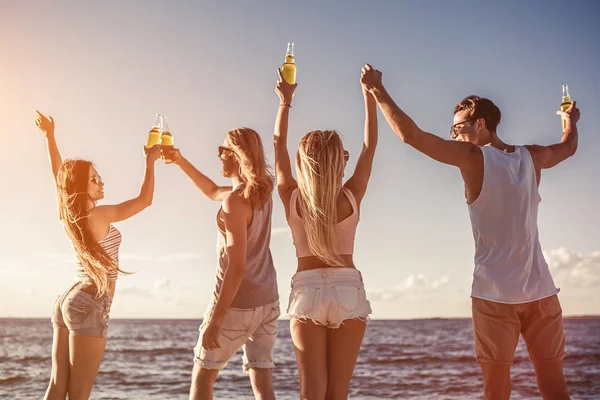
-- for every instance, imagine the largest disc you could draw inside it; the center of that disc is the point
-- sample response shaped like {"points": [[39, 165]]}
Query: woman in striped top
{"points": [[81, 313]]}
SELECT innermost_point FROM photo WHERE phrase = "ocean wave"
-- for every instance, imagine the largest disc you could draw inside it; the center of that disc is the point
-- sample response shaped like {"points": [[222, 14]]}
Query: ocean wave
{"points": [[153, 352], [14, 379], [420, 359], [24, 359], [112, 373]]}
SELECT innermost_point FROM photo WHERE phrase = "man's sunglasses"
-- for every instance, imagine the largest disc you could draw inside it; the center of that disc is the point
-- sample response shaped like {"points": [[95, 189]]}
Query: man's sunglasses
{"points": [[459, 125]]}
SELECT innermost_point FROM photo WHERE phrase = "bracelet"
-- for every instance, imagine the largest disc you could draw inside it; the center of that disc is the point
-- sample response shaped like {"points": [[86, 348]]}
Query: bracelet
{"points": [[285, 105]]}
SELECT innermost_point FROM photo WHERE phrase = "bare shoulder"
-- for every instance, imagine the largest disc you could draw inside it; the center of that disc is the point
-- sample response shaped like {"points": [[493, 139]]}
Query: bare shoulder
{"points": [[536, 151], [98, 221], [474, 156], [98, 213], [533, 147], [234, 202], [472, 149]]}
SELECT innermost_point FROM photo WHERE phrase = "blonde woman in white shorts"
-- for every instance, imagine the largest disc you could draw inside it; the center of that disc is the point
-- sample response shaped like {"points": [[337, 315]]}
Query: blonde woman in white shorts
{"points": [[328, 307]]}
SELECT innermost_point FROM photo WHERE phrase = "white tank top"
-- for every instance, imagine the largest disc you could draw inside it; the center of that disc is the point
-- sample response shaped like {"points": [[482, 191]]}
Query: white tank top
{"points": [[509, 264]]}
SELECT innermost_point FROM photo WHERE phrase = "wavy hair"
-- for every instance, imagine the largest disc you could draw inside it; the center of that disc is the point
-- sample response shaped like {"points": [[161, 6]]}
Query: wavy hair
{"points": [[72, 195], [320, 168], [253, 168]]}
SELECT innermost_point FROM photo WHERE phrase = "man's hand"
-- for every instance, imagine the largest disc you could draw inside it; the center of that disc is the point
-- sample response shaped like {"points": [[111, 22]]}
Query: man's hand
{"points": [[572, 113], [371, 79]]}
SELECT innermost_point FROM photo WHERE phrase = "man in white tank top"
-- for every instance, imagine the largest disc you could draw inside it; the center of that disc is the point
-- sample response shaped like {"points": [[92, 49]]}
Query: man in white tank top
{"points": [[513, 292]]}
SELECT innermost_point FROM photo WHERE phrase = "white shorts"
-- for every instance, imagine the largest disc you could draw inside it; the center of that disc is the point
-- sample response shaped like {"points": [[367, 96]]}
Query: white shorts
{"points": [[254, 330], [328, 296]]}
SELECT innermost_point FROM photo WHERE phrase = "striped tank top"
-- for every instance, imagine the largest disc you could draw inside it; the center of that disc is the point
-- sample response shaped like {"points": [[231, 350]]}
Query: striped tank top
{"points": [[110, 244]]}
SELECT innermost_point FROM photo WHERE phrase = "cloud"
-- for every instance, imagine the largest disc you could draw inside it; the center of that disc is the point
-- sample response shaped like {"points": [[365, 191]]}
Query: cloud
{"points": [[573, 269], [134, 291], [162, 285], [161, 289], [413, 286], [422, 282]]}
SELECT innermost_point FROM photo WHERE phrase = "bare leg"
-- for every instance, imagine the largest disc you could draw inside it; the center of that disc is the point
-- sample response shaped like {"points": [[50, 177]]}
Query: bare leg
{"points": [[203, 380], [551, 380], [262, 383], [59, 379], [343, 346], [496, 381], [85, 353], [310, 345]]}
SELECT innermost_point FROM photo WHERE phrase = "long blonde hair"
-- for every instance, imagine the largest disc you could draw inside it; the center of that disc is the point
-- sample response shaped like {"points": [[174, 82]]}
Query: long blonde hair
{"points": [[71, 191], [253, 168], [320, 168]]}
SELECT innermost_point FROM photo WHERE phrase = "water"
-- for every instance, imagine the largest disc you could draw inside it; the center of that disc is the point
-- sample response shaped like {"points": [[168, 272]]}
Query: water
{"points": [[415, 359]]}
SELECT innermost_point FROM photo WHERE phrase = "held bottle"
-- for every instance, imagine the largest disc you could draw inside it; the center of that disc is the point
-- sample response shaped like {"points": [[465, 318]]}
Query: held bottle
{"points": [[154, 135], [566, 103], [288, 69], [167, 141]]}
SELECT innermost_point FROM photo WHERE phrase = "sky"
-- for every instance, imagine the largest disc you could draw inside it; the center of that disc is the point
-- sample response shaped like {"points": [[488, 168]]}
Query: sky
{"points": [[104, 69]]}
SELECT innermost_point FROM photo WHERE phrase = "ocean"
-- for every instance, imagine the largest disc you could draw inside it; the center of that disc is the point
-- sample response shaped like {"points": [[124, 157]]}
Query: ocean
{"points": [[399, 359]]}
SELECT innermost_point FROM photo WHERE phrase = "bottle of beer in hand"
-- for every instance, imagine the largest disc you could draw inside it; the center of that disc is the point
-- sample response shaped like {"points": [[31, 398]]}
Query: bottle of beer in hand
{"points": [[167, 141], [154, 135], [566, 103], [288, 69]]}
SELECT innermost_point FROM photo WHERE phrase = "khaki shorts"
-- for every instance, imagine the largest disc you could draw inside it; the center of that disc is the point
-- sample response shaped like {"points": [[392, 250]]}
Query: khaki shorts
{"points": [[497, 326], [254, 330]]}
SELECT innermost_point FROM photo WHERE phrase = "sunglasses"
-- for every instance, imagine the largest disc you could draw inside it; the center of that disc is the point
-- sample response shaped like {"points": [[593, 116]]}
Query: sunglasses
{"points": [[96, 179], [224, 150], [460, 125]]}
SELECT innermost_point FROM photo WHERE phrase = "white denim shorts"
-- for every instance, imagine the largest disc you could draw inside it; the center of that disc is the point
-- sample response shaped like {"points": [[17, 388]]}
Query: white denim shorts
{"points": [[253, 329], [328, 296]]}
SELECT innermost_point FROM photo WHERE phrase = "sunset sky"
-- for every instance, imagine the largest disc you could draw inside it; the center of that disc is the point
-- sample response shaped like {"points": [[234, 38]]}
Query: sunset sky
{"points": [[104, 69]]}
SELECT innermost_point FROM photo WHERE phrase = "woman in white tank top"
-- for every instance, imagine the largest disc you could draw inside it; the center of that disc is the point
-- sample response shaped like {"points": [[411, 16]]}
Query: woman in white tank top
{"points": [[513, 292], [81, 313]]}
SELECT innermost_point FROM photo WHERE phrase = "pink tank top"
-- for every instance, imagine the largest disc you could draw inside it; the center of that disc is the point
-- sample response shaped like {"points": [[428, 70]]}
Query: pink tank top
{"points": [[346, 229]]}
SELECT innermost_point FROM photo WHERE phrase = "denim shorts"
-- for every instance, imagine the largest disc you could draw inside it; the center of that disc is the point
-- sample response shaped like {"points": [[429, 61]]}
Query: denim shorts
{"points": [[328, 296], [81, 312], [253, 329]]}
